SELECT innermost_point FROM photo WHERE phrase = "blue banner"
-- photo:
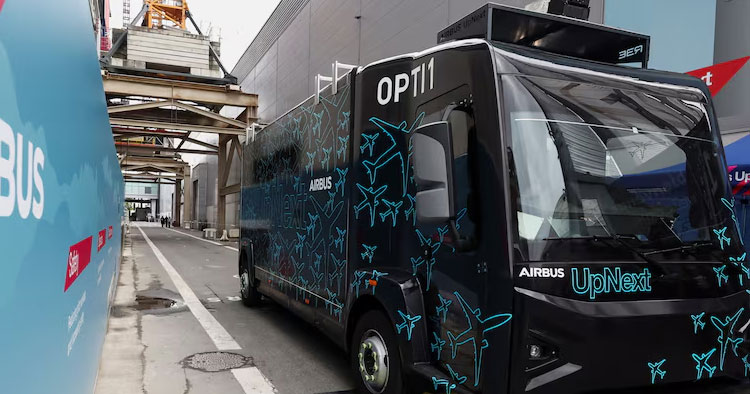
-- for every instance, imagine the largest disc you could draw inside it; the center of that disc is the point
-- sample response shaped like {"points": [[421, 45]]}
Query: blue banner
{"points": [[61, 198]]}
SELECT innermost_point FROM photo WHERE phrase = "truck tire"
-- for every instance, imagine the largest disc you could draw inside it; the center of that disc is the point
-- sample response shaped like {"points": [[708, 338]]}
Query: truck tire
{"points": [[375, 355], [248, 292]]}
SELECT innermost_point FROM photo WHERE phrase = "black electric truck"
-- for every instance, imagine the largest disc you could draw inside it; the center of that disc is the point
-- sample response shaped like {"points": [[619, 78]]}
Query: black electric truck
{"points": [[518, 209]]}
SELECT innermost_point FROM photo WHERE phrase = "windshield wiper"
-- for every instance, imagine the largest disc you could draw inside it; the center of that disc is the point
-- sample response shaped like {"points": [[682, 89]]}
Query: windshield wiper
{"points": [[682, 248]]}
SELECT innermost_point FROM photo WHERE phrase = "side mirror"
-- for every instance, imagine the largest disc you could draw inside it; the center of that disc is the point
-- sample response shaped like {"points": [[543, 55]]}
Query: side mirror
{"points": [[433, 172]]}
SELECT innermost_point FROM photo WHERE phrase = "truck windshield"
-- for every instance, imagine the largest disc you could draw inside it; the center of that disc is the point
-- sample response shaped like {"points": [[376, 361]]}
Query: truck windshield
{"points": [[593, 163]]}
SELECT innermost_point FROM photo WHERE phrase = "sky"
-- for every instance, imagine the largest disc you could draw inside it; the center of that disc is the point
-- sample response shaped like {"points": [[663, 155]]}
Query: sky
{"points": [[236, 22]]}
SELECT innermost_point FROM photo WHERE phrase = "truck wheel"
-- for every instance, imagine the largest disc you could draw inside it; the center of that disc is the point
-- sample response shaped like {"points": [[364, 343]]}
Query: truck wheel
{"points": [[375, 355], [248, 292]]}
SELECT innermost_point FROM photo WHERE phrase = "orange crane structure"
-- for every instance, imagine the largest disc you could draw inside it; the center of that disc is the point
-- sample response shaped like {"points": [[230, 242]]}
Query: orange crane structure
{"points": [[165, 13]]}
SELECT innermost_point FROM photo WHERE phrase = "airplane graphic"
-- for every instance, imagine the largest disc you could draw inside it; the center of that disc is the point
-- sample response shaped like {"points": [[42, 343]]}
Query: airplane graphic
{"points": [[721, 236], [316, 262], [341, 151], [300, 243], [698, 321], [311, 227], [425, 241], [482, 325], [416, 262], [438, 345], [342, 179], [369, 253], [357, 282], [392, 210], [747, 364], [460, 215], [331, 200], [443, 307], [656, 370], [370, 200], [318, 117], [408, 323], [374, 279], [720, 275], [449, 386], [739, 262], [310, 160], [338, 242], [344, 124], [369, 142], [392, 152], [411, 210], [726, 334], [325, 161], [703, 365], [730, 206], [458, 378]]}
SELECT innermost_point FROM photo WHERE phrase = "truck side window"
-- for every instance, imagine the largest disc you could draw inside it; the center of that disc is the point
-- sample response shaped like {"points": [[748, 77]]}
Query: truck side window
{"points": [[456, 108]]}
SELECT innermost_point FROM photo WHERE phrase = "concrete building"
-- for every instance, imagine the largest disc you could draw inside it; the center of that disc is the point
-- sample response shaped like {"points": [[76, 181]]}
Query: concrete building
{"points": [[303, 37]]}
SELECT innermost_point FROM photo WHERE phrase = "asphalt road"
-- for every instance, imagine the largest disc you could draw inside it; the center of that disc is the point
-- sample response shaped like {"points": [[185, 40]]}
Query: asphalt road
{"points": [[149, 345]]}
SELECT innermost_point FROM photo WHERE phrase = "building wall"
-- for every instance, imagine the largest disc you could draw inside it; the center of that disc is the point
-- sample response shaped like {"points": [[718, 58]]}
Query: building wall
{"points": [[350, 31]]}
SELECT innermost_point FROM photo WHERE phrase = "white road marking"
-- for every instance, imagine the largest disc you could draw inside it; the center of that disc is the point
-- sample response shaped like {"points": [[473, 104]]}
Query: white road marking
{"points": [[213, 328], [232, 248], [213, 299], [233, 298], [193, 236], [252, 381]]}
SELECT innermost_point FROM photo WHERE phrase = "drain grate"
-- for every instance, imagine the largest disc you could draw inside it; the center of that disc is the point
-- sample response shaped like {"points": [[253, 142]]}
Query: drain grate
{"points": [[216, 361], [147, 303]]}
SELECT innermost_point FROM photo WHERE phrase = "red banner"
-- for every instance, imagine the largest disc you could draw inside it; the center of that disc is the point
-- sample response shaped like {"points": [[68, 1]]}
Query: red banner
{"points": [[101, 240], [79, 257], [718, 75], [109, 233]]}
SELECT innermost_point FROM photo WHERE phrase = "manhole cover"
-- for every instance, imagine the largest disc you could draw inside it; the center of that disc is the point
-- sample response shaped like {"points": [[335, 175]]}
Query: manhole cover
{"points": [[145, 303], [216, 361]]}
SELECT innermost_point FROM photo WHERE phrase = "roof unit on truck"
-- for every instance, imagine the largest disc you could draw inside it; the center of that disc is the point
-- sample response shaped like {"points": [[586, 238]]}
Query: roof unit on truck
{"points": [[551, 33]]}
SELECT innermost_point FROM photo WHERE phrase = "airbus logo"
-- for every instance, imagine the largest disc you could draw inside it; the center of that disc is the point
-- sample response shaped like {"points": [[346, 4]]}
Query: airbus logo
{"points": [[319, 184], [538, 272]]}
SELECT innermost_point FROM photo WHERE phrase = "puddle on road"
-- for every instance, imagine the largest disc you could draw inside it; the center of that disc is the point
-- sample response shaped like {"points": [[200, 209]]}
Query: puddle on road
{"points": [[216, 361], [148, 303]]}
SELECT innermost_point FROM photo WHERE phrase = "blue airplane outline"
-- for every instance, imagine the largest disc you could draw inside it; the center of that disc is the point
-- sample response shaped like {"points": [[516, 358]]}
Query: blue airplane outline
{"points": [[472, 319], [443, 307], [740, 262], [331, 218], [341, 182], [392, 210], [412, 209], [427, 241], [311, 227], [317, 260], [656, 370], [343, 125], [722, 238], [449, 386], [747, 364], [310, 160], [371, 167], [369, 252], [357, 282], [703, 365], [720, 275], [409, 322], [698, 322], [369, 143], [331, 199], [375, 275], [455, 375], [338, 241], [326, 160], [417, 262], [437, 345], [318, 116], [730, 206], [371, 199], [343, 144], [725, 337], [317, 278], [299, 245]]}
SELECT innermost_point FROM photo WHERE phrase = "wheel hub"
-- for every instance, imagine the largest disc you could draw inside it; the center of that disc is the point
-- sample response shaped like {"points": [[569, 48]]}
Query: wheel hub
{"points": [[373, 361]]}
